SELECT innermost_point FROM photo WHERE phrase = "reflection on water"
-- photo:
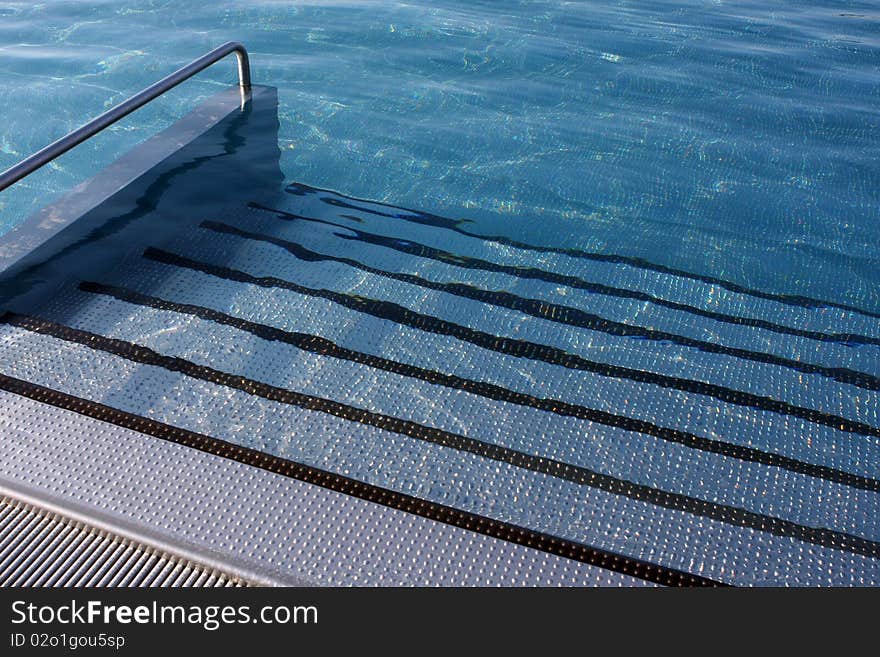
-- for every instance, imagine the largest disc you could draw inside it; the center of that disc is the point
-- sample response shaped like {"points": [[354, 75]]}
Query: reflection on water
{"points": [[723, 138]]}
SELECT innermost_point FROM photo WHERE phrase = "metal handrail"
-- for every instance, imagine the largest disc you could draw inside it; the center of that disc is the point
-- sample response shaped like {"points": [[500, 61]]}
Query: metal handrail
{"points": [[111, 116]]}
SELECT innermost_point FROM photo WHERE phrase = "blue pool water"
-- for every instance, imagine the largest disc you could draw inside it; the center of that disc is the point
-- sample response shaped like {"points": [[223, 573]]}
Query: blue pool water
{"points": [[738, 139], [605, 273]]}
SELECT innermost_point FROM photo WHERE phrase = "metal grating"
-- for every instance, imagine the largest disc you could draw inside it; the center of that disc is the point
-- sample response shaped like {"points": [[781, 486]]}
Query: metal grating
{"points": [[41, 548]]}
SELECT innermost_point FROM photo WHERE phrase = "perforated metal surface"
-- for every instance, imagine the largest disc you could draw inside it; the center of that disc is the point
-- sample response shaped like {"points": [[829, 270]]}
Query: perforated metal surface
{"points": [[286, 531], [41, 548], [338, 391]]}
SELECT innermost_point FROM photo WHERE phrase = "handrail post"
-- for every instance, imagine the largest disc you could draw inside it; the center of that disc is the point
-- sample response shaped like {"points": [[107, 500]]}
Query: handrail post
{"points": [[244, 68], [45, 155]]}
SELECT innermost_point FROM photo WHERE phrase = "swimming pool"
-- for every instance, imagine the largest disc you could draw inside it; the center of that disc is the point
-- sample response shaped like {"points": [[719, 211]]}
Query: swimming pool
{"points": [[605, 273]]}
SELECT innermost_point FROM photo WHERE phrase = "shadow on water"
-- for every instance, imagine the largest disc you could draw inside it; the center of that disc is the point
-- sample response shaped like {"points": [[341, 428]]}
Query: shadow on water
{"points": [[232, 162], [226, 166]]}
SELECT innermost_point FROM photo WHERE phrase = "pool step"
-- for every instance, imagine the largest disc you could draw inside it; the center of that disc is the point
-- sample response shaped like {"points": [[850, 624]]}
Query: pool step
{"points": [[300, 387], [267, 343]]}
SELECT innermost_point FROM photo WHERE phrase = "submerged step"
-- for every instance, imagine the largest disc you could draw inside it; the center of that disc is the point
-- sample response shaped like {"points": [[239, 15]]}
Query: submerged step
{"points": [[305, 387]]}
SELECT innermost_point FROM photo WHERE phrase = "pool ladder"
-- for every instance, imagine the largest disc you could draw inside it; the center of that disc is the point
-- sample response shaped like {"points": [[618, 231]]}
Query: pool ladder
{"points": [[111, 116]]}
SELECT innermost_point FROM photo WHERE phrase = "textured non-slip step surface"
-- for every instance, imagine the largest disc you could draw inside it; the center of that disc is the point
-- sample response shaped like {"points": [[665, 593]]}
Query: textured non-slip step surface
{"points": [[256, 330], [316, 389], [290, 525]]}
